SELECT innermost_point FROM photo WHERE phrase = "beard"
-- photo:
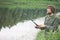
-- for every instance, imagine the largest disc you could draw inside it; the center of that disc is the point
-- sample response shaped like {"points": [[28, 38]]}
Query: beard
{"points": [[49, 13]]}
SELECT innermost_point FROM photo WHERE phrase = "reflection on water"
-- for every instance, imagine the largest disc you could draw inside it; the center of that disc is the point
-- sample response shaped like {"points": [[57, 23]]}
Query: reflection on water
{"points": [[21, 31]]}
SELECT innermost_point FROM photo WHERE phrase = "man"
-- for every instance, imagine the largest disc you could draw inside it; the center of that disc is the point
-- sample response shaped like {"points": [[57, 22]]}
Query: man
{"points": [[51, 21]]}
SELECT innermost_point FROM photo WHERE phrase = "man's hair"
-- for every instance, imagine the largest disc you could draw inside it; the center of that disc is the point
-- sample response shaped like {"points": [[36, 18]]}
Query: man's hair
{"points": [[51, 7]]}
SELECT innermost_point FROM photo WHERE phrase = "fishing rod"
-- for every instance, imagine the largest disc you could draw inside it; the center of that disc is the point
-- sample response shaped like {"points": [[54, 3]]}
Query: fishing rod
{"points": [[31, 20], [34, 22]]}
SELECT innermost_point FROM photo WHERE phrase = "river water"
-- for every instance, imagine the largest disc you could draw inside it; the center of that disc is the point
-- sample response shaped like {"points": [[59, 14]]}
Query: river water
{"points": [[21, 31]]}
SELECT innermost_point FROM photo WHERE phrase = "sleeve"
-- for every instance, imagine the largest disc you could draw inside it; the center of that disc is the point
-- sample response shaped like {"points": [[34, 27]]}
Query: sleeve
{"points": [[53, 26]]}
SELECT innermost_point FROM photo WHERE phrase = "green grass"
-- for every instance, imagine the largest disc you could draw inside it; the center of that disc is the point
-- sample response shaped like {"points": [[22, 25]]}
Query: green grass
{"points": [[40, 36], [51, 36]]}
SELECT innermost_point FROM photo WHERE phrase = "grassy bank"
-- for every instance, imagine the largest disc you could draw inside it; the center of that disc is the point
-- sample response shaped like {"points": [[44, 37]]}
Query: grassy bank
{"points": [[51, 36]]}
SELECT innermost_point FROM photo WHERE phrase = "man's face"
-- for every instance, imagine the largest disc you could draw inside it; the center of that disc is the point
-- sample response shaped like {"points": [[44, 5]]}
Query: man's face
{"points": [[49, 11]]}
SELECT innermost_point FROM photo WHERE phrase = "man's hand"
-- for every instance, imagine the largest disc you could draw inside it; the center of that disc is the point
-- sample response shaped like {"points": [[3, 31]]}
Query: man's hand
{"points": [[41, 26]]}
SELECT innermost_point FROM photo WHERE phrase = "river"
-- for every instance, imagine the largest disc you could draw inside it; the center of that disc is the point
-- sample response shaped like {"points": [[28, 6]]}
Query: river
{"points": [[21, 31]]}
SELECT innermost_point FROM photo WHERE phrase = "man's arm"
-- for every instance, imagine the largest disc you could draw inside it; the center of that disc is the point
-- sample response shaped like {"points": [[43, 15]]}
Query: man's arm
{"points": [[53, 26]]}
